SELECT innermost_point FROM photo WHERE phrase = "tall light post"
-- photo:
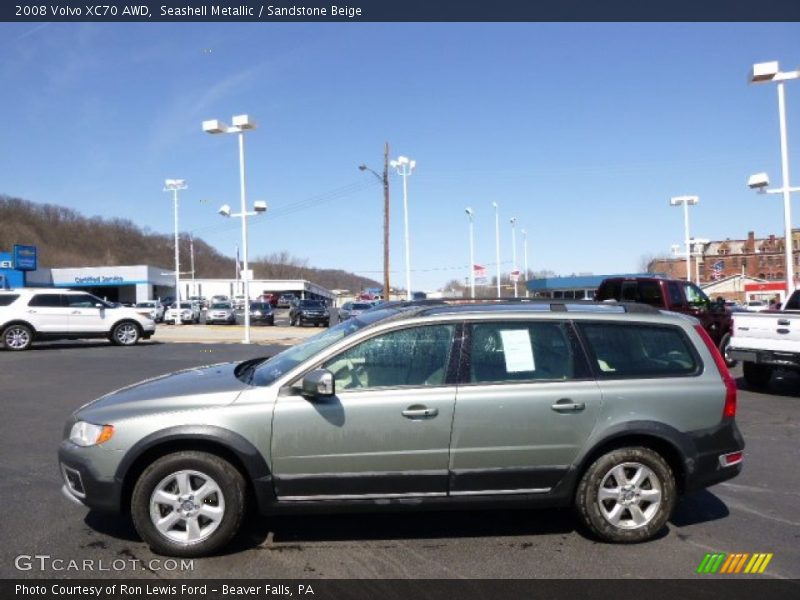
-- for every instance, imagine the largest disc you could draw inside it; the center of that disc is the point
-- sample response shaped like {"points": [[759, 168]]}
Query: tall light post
{"points": [[241, 123], [405, 167], [763, 73], [513, 221], [525, 255], [497, 243], [174, 186], [384, 179], [686, 202], [471, 252]]}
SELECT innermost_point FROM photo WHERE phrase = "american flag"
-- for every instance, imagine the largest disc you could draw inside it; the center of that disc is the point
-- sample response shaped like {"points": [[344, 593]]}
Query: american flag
{"points": [[716, 269]]}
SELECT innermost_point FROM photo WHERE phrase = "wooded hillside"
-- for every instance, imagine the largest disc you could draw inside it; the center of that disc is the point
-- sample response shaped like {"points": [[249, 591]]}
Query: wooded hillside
{"points": [[66, 238]]}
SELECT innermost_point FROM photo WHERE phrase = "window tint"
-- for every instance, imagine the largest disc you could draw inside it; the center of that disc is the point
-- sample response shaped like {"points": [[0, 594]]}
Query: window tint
{"points": [[629, 293], [46, 300], [409, 357], [674, 290], [610, 290], [650, 293], [792, 304], [81, 300], [7, 299], [522, 351], [634, 350]]}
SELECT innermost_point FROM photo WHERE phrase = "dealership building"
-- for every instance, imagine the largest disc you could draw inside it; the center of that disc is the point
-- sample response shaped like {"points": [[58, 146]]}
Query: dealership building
{"points": [[137, 283]]}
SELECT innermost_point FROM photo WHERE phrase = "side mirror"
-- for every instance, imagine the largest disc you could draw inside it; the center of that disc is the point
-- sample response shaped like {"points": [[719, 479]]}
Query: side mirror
{"points": [[318, 383]]}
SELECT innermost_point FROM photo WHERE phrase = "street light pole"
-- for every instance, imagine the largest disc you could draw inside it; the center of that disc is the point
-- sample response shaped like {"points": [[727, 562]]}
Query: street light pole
{"points": [[513, 222], [525, 252], [761, 73], [405, 167], [497, 244], [686, 201], [384, 179], [241, 123], [175, 185], [471, 253]]}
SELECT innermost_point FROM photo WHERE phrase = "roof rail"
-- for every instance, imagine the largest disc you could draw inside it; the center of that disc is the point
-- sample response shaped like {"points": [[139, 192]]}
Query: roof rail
{"points": [[559, 305]]}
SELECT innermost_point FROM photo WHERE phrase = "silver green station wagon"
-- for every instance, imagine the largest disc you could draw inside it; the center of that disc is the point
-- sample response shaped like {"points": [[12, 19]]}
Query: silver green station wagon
{"points": [[614, 409]]}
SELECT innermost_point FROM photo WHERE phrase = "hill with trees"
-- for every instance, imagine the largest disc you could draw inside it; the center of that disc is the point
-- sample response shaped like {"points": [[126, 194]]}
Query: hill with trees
{"points": [[66, 238]]}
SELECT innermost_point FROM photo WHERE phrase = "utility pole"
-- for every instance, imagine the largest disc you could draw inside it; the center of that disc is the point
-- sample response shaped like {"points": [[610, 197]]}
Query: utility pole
{"points": [[385, 181], [191, 253], [386, 288]]}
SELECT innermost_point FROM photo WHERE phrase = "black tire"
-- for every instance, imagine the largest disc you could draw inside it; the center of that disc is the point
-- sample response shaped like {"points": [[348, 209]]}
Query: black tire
{"points": [[597, 517], [17, 337], [231, 489], [723, 348], [126, 333], [756, 375]]}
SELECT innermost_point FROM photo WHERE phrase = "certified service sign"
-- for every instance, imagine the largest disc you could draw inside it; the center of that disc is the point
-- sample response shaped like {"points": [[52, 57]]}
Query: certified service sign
{"points": [[25, 258]]}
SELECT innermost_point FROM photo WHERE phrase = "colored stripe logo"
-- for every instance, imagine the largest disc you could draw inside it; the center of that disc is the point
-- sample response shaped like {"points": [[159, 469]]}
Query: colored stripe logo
{"points": [[732, 564]]}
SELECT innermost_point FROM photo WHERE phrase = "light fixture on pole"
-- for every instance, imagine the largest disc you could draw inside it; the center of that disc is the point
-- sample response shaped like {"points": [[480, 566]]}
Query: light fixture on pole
{"points": [[384, 179], [515, 271], [525, 253], [405, 167], [763, 73], [686, 202], [174, 186], [470, 214], [241, 123], [497, 243]]}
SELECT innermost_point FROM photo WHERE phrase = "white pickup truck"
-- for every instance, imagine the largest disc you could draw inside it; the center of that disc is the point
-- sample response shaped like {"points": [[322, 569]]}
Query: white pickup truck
{"points": [[764, 341]]}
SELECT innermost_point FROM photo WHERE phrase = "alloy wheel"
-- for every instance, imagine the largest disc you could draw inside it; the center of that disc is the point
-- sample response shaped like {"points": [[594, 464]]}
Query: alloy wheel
{"points": [[629, 495], [187, 506]]}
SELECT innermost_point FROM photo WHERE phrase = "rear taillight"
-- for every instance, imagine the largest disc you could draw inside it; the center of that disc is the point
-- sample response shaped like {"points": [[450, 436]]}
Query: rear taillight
{"points": [[730, 385]]}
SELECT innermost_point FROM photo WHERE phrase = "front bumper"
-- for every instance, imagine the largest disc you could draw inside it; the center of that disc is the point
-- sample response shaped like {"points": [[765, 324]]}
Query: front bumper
{"points": [[83, 484]]}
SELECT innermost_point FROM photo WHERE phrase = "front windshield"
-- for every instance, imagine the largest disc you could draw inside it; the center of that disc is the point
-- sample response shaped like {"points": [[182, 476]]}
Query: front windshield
{"points": [[146, 305], [267, 372]]}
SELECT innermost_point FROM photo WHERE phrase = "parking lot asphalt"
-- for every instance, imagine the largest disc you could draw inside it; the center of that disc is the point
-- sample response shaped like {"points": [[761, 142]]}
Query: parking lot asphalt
{"points": [[756, 512]]}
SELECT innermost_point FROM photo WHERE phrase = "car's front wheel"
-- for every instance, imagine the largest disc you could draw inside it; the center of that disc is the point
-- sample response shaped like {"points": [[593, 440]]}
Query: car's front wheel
{"points": [[126, 333], [188, 504], [626, 495], [17, 337]]}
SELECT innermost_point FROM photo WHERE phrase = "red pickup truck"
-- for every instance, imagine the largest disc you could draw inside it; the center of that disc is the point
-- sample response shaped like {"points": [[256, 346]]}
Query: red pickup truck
{"points": [[675, 295]]}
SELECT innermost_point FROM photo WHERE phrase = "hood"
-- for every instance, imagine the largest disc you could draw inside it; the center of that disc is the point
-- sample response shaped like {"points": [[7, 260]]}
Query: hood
{"points": [[201, 387]]}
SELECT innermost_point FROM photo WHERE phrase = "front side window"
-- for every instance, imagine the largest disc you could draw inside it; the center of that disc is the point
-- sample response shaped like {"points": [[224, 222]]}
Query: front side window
{"points": [[695, 296], [512, 351], [675, 298], [81, 301], [417, 356], [637, 350]]}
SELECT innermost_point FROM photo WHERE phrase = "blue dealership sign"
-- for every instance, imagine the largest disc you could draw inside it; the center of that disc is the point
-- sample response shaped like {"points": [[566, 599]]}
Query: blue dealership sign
{"points": [[25, 258]]}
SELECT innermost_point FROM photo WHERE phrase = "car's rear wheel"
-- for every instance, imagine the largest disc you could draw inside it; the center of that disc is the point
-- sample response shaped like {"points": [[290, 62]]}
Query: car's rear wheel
{"points": [[126, 333], [188, 504], [626, 495], [756, 375], [17, 337]]}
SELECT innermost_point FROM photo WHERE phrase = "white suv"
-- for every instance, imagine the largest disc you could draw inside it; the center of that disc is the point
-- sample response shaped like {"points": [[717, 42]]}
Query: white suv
{"points": [[45, 313]]}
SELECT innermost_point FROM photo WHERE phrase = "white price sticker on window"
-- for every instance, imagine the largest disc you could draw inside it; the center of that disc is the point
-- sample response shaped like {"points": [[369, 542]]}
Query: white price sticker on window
{"points": [[517, 350]]}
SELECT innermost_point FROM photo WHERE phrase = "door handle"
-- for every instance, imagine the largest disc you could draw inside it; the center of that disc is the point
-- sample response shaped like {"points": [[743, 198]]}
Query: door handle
{"points": [[31, 312], [567, 405], [413, 412], [76, 312]]}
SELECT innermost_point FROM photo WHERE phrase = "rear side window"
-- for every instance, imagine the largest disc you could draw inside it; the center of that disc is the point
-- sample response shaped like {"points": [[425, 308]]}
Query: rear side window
{"points": [[630, 350], [46, 300], [7, 299], [515, 351], [675, 297], [609, 290], [650, 293], [792, 304]]}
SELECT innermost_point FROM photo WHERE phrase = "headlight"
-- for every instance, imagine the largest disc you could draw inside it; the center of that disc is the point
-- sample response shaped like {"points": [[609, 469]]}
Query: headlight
{"points": [[88, 434]]}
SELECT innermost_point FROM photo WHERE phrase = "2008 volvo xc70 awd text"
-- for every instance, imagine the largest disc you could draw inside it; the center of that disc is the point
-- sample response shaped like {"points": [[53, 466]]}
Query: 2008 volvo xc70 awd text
{"points": [[613, 409]]}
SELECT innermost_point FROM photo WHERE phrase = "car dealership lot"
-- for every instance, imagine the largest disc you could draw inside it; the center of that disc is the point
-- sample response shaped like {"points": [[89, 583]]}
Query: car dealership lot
{"points": [[755, 512]]}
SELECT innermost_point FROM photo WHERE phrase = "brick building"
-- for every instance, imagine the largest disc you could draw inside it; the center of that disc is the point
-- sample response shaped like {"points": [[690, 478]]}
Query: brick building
{"points": [[762, 258]]}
